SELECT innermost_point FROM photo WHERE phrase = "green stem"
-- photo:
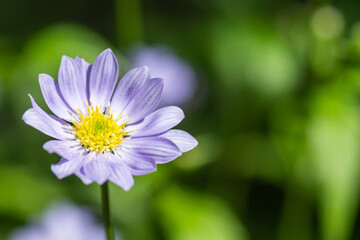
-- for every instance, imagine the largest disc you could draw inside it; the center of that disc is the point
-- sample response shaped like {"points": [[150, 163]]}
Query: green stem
{"points": [[106, 212]]}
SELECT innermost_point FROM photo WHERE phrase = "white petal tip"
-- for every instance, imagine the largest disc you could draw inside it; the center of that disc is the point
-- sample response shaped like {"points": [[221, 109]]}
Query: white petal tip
{"points": [[57, 174], [108, 51], [144, 68], [127, 188]]}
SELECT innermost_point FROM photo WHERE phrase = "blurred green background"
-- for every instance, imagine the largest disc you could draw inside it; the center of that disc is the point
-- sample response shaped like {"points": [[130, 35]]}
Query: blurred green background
{"points": [[276, 112]]}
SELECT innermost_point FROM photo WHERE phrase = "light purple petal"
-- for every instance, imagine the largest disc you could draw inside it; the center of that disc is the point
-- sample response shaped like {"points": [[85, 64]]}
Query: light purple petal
{"points": [[103, 78], [72, 157], [53, 97], [61, 221], [32, 118], [72, 86], [120, 175], [46, 123], [145, 101], [97, 167], [157, 122], [65, 168], [84, 74], [182, 139], [138, 164], [80, 174], [70, 150], [128, 86], [160, 149]]}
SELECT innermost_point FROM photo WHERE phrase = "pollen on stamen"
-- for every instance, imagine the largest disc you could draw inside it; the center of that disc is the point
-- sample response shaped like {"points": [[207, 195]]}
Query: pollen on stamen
{"points": [[99, 131]]}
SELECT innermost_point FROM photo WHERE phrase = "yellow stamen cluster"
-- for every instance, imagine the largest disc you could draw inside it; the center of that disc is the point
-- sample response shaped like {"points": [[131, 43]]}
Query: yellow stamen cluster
{"points": [[99, 131]]}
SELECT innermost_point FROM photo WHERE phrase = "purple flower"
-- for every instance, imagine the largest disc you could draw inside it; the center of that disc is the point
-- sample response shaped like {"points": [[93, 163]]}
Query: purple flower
{"points": [[104, 134], [179, 77], [62, 221]]}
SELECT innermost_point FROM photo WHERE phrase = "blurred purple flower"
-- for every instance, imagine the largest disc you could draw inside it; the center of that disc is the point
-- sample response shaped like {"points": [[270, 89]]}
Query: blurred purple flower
{"points": [[105, 135], [180, 80], [62, 222]]}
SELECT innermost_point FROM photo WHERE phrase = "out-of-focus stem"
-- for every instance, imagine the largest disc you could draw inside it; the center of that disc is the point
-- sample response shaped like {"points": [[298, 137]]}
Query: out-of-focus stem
{"points": [[128, 22]]}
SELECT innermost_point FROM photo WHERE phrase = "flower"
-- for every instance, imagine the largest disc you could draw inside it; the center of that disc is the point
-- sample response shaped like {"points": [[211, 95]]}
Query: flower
{"points": [[104, 134], [180, 79], [62, 222]]}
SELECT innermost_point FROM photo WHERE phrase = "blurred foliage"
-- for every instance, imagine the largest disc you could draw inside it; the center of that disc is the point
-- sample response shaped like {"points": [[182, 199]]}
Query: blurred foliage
{"points": [[276, 114], [197, 217]]}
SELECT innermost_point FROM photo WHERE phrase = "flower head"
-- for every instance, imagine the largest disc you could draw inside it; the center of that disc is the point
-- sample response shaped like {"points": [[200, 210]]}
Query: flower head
{"points": [[179, 76], [62, 222], [103, 131]]}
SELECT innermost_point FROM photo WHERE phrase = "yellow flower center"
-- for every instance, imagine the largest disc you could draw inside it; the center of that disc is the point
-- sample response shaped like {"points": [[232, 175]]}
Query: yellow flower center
{"points": [[99, 131]]}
